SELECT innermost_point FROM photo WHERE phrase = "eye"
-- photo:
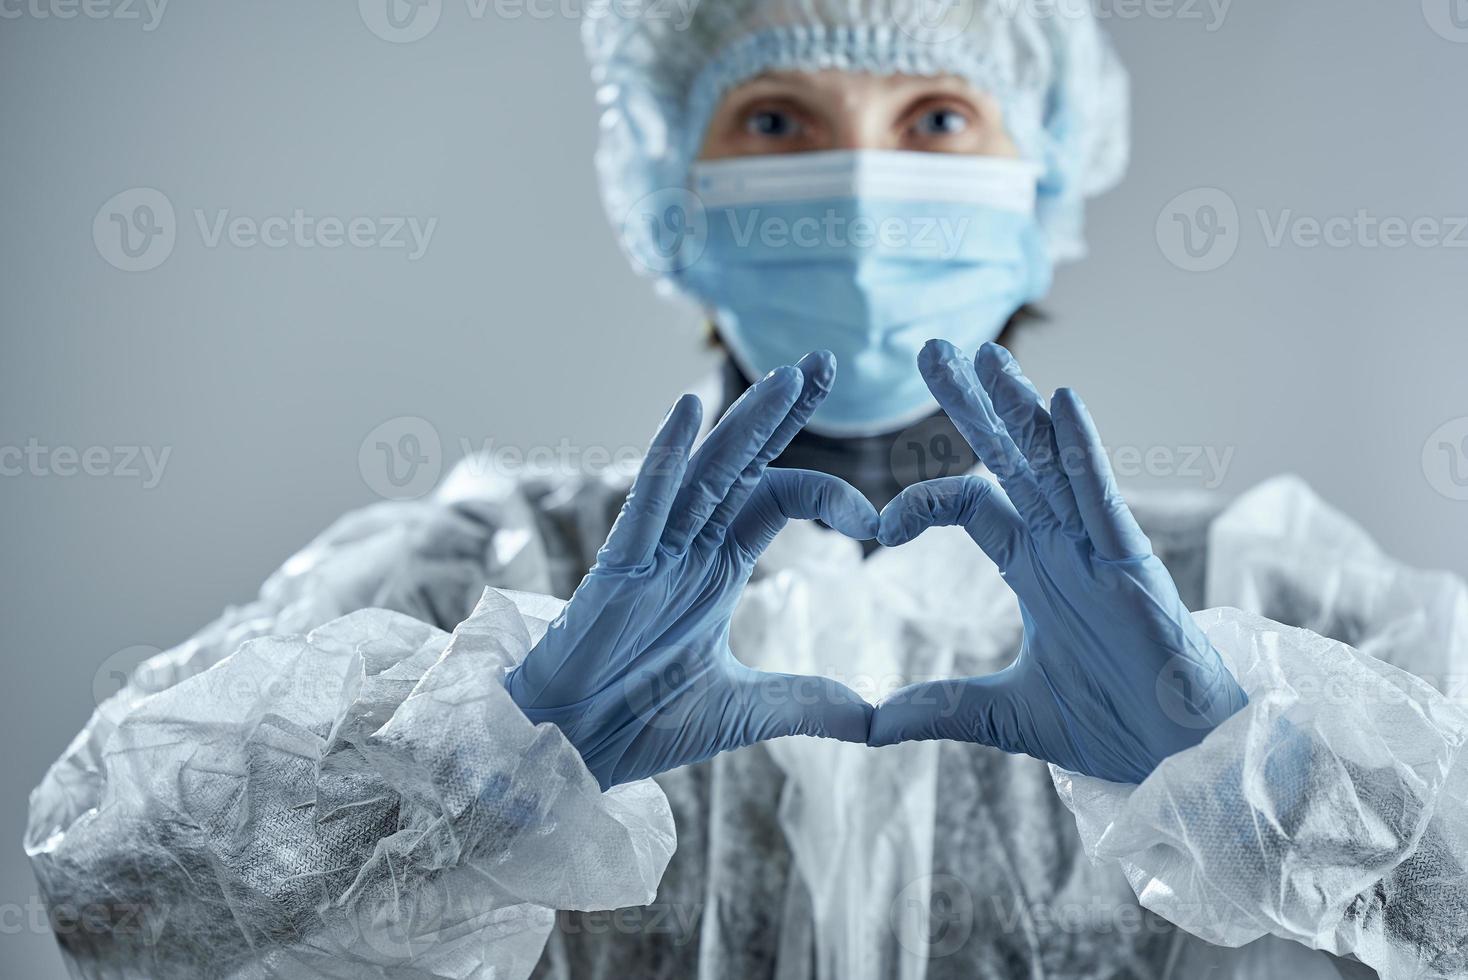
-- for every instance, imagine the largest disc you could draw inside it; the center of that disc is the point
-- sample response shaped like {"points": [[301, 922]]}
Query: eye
{"points": [[772, 124], [943, 120]]}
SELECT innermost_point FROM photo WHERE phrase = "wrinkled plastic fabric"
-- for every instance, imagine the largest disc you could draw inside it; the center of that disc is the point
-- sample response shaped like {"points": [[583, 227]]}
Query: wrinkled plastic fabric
{"points": [[801, 858], [661, 69], [1333, 810], [1282, 553], [364, 800]]}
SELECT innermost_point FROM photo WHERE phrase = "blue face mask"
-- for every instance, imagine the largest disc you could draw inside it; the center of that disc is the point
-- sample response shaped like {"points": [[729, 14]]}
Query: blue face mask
{"points": [[868, 254]]}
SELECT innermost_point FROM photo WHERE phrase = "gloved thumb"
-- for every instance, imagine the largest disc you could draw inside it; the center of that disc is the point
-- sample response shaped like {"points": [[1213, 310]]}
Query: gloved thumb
{"points": [[972, 502], [784, 495], [775, 705], [965, 709]]}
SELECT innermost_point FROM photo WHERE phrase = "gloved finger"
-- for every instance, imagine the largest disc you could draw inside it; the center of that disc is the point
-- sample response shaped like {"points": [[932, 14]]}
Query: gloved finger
{"points": [[730, 447], [1114, 531], [774, 705], [818, 371], [970, 502], [644, 513], [1019, 404], [786, 495], [985, 710], [951, 378]]}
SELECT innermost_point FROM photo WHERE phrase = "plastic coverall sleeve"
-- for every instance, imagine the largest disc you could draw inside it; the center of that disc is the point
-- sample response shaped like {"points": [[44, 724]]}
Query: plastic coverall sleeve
{"points": [[430, 559], [1333, 810], [364, 800]]}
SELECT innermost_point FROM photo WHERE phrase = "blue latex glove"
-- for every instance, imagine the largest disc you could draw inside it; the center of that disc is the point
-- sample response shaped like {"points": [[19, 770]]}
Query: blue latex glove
{"points": [[637, 670], [1113, 676]]}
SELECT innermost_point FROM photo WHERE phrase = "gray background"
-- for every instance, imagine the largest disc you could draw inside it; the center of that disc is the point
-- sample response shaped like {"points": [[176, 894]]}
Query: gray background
{"points": [[262, 370]]}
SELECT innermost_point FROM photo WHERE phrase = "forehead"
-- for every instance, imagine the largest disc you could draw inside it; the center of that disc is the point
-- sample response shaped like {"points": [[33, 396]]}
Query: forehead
{"points": [[836, 83]]}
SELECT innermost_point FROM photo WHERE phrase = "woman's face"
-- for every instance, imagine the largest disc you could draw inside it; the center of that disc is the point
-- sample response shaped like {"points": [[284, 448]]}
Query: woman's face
{"points": [[799, 112]]}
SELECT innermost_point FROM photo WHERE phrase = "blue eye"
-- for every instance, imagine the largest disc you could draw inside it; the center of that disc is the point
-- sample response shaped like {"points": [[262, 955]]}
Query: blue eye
{"points": [[771, 123], [941, 122]]}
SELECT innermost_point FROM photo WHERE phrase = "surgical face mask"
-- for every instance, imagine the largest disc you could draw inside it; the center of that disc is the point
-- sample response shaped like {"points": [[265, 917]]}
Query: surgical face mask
{"points": [[868, 254]]}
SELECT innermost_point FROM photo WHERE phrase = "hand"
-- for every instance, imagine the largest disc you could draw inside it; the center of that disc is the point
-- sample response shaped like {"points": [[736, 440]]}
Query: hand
{"points": [[637, 670], [1112, 676]]}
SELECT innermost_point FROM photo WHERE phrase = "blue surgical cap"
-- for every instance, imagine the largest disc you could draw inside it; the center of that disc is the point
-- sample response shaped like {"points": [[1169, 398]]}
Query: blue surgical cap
{"points": [[662, 66]]}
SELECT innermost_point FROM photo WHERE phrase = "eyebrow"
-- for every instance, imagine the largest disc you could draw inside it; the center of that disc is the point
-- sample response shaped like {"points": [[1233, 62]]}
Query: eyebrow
{"points": [[784, 78], [950, 83], [802, 82]]}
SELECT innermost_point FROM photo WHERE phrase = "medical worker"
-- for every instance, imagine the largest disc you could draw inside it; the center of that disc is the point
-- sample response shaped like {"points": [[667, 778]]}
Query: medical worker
{"points": [[380, 769]]}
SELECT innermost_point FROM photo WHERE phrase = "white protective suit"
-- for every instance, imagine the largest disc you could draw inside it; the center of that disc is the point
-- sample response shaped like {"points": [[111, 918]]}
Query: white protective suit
{"points": [[314, 788]]}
